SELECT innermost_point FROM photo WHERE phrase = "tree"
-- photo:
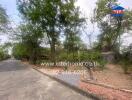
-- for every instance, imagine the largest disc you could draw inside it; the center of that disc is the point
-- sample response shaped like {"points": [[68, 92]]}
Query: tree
{"points": [[52, 16], [20, 51], [30, 37], [3, 19], [73, 44], [3, 52], [111, 27]]}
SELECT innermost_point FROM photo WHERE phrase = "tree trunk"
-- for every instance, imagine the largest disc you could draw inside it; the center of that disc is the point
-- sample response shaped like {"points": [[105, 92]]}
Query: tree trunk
{"points": [[53, 52], [33, 57]]}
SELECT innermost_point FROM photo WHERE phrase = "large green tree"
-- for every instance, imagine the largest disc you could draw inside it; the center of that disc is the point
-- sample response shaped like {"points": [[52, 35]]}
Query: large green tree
{"points": [[20, 51], [29, 37], [111, 27], [53, 16]]}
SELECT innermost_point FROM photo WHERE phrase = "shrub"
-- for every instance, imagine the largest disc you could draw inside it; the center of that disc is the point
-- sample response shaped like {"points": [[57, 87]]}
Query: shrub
{"points": [[3, 54], [126, 60], [83, 56]]}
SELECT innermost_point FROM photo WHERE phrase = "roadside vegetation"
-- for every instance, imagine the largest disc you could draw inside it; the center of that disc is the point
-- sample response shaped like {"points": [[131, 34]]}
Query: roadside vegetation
{"points": [[55, 38], [4, 54], [46, 23], [3, 28]]}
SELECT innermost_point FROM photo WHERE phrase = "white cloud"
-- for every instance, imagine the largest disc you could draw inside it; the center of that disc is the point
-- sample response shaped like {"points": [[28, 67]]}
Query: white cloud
{"points": [[86, 6]]}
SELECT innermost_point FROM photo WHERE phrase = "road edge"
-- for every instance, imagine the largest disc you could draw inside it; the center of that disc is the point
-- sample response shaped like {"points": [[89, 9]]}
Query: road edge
{"points": [[82, 92]]}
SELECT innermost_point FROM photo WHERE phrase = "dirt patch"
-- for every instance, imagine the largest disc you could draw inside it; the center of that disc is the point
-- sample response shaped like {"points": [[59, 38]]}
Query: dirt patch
{"points": [[107, 93], [113, 75]]}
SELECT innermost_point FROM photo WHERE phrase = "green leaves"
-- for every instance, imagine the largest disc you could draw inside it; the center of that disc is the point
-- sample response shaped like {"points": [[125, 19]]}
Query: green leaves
{"points": [[111, 28], [127, 20], [30, 37], [3, 19], [52, 16], [4, 52], [20, 51]]}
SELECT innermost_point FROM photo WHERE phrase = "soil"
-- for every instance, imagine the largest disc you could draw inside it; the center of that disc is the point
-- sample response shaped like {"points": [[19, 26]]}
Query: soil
{"points": [[113, 75], [106, 93]]}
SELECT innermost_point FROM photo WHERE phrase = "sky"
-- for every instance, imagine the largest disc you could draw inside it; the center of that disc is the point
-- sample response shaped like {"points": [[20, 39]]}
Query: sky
{"points": [[86, 6]]}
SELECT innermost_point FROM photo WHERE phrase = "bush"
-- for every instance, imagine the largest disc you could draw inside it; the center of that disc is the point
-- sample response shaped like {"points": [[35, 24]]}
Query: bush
{"points": [[83, 56], [68, 57], [126, 62], [62, 56], [20, 51], [90, 56], [3, 54]]}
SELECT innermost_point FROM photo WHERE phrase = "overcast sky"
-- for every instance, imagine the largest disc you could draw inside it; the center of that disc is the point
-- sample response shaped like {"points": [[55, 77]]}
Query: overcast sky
{"points": [[86, 7]]}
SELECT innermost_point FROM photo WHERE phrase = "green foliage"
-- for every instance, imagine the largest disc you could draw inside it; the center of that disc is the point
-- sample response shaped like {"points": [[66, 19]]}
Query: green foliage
{"points": [[111, 27], [3, 19], [93, 56], [73, 57], [127, 20], [62, 56], [20, 51], [29, 38], [83, 56], [126, 65], [72, 42], [3, 54], [53, 16], [126, 59], [102, 62], [90, 56], [68, 56]]}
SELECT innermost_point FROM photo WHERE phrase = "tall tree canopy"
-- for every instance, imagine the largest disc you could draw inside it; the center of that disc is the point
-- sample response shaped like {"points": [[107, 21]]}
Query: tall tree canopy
{"points": [[111, 27], [53, 16], [29, 37]]}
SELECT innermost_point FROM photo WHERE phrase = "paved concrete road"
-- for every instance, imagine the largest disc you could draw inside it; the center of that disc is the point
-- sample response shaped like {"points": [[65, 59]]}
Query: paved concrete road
{"points": [[19, 82]]}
